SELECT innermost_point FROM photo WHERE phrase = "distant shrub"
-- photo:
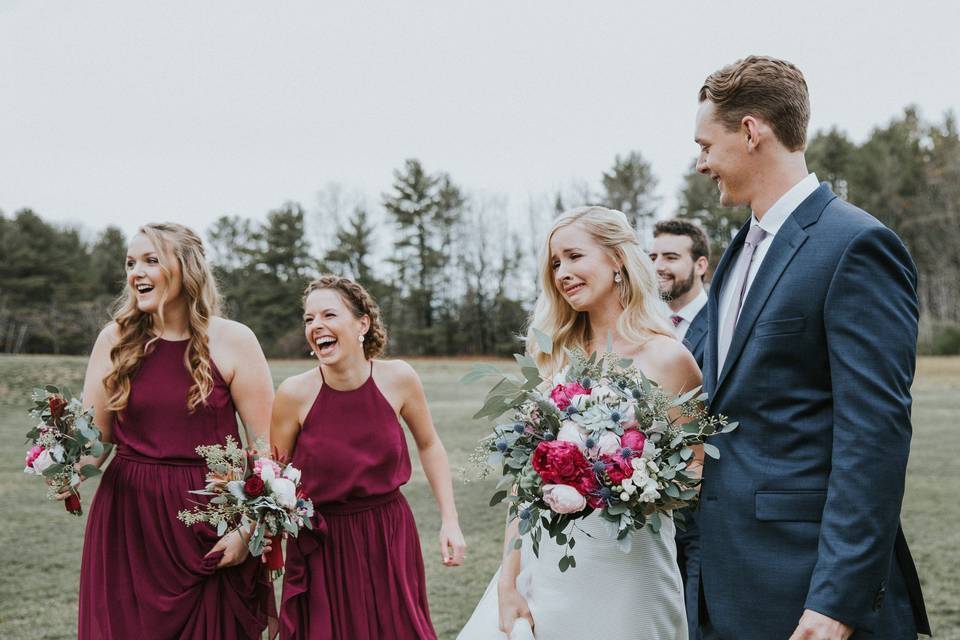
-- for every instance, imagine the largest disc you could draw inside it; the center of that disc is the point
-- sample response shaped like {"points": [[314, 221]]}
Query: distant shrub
{"points": [[941, 339]]}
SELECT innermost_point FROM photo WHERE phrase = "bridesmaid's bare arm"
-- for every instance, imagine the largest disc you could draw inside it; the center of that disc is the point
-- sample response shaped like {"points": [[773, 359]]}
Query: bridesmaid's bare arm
{"points": [[433, 456], [251, 386], [94, 392], [285, 421]]}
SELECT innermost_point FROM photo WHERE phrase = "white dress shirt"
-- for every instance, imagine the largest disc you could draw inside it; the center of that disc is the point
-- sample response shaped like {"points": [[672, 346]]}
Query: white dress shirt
{"points": [[689, 312], [772, 220]]}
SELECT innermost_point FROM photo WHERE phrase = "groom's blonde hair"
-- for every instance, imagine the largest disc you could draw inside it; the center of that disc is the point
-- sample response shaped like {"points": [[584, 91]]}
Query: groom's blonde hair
{"points": [[642, 317], [771, 89]]}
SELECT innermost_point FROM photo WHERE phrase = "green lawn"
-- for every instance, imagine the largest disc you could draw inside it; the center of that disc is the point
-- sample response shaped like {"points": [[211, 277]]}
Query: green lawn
{"points": [[40, 562]]}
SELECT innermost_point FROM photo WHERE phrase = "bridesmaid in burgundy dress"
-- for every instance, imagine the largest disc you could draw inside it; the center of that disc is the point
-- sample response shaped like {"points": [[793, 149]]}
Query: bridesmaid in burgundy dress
{"points": [[165, 376], [358, 575]]}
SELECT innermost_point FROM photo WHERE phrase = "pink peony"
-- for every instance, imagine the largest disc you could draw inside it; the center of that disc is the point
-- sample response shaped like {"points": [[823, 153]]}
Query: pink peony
{"points": [[609, 444], [260, 463], [563, 498], [562, 394], [559, 462], [33, 454], [634, 439], [618, 468]]}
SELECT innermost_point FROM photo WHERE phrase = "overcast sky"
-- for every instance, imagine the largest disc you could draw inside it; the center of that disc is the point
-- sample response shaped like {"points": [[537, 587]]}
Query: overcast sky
{"points": [[121, 112]]}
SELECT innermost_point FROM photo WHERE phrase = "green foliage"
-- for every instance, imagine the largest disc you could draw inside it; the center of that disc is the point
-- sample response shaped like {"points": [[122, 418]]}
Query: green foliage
{"points": [[629, 186]]}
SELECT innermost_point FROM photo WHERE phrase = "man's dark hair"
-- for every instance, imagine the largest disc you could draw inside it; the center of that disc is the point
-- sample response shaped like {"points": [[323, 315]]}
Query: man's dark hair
{"points": [[681, 227]]}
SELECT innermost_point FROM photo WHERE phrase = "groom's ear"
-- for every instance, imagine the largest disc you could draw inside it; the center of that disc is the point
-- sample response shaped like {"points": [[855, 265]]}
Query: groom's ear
{"points": [[751, 128]]}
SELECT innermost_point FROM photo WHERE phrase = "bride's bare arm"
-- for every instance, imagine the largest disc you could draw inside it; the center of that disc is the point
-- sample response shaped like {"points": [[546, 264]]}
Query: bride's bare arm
{"points": [[512, 604]]}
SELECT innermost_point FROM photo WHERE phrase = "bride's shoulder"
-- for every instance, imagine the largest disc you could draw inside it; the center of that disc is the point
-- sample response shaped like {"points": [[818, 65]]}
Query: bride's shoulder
{"points": [[666, 360]]}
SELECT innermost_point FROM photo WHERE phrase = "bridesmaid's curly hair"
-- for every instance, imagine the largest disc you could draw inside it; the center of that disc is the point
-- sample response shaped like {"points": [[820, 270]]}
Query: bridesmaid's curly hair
{"points": [[138, 331], [360, 303]]}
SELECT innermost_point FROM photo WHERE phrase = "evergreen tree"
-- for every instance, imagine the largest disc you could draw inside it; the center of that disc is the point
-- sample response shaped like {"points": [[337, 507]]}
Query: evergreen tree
{"points": [[629, 187]]}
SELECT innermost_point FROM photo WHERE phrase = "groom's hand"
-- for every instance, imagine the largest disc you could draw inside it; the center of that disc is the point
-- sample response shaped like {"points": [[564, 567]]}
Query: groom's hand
{"points": [[816, 626]]}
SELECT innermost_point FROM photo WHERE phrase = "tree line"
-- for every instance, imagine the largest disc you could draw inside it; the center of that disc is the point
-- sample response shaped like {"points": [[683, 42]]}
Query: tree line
{"points": [[454, 272]]}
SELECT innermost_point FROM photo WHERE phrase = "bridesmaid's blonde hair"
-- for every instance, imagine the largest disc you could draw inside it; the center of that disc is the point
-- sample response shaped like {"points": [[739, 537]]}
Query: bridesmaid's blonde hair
{"points": [[642, 316], [138, 331]]}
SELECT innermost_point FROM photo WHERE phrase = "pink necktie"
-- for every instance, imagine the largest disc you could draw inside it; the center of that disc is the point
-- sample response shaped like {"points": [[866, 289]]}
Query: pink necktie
{"points": [[754, 237]]}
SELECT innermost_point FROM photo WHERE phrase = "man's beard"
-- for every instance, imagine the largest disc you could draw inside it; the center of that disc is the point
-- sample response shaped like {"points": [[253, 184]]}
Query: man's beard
{"points": [[680, 287]]}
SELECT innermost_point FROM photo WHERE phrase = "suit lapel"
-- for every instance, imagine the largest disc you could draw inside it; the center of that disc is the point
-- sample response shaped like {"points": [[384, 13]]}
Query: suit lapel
{"points": [[785, 244], [696, 331], [713, 309]]}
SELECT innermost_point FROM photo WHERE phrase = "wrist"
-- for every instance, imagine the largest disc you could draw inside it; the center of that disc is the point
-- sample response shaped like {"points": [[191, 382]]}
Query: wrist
{"points": [[450, 519]]}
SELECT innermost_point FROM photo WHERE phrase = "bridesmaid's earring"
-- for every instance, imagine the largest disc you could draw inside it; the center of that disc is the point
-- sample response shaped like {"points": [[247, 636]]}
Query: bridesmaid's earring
{"points": [[361, 338], [617, 277]]}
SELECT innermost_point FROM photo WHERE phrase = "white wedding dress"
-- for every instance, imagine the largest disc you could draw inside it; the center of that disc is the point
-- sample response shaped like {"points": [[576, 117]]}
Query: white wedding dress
{"points": [[609, 594]]}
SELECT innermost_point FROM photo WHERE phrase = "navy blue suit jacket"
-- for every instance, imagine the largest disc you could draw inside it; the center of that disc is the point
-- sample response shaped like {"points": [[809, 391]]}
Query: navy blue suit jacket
{"points": [[802, 509], [695, 339]]}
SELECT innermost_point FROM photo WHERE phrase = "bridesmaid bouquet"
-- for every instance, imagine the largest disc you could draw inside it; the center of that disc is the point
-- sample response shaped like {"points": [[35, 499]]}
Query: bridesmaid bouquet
{"points": [[249, 489], [604, 439], [64, 435]]}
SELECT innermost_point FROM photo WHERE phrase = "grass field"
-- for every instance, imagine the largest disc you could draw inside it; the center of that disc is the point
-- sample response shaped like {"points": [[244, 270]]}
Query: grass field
{"points": [[40, 545]]}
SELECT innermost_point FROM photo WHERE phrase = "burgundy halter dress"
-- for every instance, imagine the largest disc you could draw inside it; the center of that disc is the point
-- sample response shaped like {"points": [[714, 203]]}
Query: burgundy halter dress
{"points": [[358, 575]]}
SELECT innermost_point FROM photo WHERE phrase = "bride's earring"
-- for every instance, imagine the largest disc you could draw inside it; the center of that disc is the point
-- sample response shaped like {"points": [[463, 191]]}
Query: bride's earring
{"points": [[361, 338], [617, 277]]}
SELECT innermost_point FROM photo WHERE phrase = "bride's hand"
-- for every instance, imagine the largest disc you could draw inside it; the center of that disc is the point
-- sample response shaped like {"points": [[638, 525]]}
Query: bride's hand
{"points": [[512, 607]]}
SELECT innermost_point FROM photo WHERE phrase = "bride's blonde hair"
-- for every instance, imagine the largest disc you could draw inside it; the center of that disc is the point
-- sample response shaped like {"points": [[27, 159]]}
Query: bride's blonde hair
{"points": [[642, 316], [138, 330]]}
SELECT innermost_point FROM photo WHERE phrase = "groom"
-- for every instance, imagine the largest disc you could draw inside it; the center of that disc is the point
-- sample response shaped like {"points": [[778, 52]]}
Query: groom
{"points": [[812, 347]]}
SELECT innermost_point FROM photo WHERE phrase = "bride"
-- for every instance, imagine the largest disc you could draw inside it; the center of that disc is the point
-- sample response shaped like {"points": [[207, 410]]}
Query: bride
{"points": [[596, 281]]}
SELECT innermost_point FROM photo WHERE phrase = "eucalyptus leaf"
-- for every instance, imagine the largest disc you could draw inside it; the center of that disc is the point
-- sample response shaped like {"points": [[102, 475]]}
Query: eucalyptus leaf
{"points": [[544, 342], [711, 451], [89, 470]]}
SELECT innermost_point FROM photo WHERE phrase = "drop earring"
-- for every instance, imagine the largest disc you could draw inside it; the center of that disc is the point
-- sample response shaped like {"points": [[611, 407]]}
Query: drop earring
{"points": [[361, 338], [617, 277]]}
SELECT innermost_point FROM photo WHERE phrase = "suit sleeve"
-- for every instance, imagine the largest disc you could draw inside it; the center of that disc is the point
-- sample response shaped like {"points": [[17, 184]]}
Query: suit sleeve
{"points": [[870, 320]]}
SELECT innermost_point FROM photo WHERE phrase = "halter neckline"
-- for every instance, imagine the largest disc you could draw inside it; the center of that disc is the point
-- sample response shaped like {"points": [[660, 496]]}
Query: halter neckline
{"points": [[327, 386]]}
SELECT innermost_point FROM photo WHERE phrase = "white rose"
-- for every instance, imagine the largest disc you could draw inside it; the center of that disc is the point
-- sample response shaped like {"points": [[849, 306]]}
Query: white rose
{"points": [[284, 493], [625, 496], [292, 474], [627, 485]]}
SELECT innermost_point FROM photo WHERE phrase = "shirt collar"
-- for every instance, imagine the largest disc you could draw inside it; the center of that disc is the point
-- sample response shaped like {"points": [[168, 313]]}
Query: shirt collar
{"points": [[774, 218], [692, 308]]}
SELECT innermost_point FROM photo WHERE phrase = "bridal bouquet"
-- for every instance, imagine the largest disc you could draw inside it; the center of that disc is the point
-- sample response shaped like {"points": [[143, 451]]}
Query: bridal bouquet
{"points": [[64, 435], [604, 439], [249, 489]]}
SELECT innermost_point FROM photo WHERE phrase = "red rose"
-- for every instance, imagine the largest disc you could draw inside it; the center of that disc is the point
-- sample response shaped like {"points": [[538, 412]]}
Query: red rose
{"points": [[57, 403], [634, 439], [559, 462], [253, 486], [562, 394]]}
